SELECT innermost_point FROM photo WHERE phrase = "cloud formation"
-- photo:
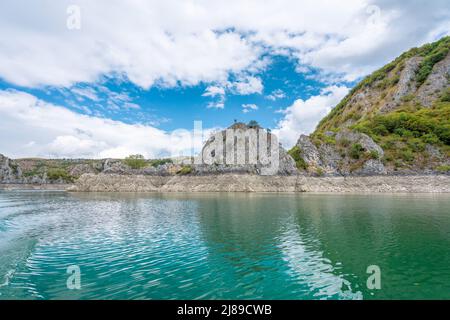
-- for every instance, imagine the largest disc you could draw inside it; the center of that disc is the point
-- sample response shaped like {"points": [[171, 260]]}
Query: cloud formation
{"points": [[246, 108], [37, 128], [170, 43], [303, 116], [276, 95], [243, 86]]}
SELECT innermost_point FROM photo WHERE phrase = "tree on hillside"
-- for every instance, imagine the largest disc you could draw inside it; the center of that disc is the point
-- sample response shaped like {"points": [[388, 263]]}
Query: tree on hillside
{"points": [[253, 124], [135, 161]]}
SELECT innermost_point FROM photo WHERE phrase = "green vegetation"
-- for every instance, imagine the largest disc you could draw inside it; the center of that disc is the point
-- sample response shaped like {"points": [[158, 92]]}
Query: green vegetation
{"points": [[31, 173], [446, 96], [321, 138], [14, 167], [404, 133], [253, 124], [296, 154], [185, 170], [57, 173], [159, 162], [320, 172], [386, 78], [356, 151], [443, 168], [135, 161], [428, 124], [432, 53], [374, 155], [53, 168]]}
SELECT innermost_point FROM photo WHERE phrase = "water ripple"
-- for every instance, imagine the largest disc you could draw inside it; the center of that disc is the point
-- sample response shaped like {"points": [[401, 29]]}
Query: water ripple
{"points": [[218, 246]]}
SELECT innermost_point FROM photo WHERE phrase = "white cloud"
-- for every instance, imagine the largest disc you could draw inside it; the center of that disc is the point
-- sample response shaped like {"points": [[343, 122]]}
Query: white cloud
{"points": [[246, 108], [39, 50], [247, 85], [171, 43], [276, 94], [220, 104], [104, 97], [130, 105], [118, 101], [83, 93], [213, 91], [303, 116], [218, 93], [37, 128]]}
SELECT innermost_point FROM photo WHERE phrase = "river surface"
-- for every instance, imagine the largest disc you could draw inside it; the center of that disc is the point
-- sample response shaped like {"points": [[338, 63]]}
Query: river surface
{"points": [[223, 246]]}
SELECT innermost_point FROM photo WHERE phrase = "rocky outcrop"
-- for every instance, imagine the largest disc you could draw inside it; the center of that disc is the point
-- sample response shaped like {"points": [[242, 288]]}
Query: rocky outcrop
{"points": [[351, 153], [81, 169], [406, 85], [10, 172], [437, 81], [310, 153], [426, 93], [356, 137], [255, 183], [251, 149]]}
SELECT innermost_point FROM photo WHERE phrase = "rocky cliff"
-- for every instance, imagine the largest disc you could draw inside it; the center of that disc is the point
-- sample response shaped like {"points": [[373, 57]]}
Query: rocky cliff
{"points": [[396, 121], [251, 153], [10, 172]]}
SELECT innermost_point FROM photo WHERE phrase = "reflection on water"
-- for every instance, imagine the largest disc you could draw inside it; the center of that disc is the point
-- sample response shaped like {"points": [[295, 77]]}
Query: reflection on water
{"points": [[223, 246]]}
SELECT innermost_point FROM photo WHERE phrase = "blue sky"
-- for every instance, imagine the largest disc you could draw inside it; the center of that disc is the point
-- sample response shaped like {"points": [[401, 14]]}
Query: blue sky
{"points": [[108, 78], [169, 108]]}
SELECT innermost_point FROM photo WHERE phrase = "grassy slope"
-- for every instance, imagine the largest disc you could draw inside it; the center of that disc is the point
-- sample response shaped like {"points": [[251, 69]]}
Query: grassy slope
{"points": [[385, 80]]}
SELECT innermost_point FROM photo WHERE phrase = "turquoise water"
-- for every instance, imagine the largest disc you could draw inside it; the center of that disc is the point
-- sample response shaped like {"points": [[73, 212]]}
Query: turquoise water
{"points": [[223, 246]]}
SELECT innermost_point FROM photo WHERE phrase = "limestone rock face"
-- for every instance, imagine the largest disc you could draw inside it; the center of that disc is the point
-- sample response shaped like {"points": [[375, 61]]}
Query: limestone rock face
{"points": [[436, 82], [406, 84], [257, 183], [356, 137], [81, 169], [310, 152], [287, 164], [371, 168], [336, 159], [10, 172], [114, 166], [244, 149]]}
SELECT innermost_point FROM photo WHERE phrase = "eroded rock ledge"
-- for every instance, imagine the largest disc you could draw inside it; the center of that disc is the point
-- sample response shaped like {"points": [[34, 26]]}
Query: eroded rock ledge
{"points": [[254, 183]]}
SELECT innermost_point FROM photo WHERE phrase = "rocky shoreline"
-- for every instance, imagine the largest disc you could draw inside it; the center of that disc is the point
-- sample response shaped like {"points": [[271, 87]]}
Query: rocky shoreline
{"points": [[31, 186], [247, 183], [255, 183]]}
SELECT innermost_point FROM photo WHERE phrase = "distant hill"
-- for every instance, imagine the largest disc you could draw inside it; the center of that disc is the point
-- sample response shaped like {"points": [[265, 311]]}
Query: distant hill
{"points": [[403, 108]]}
